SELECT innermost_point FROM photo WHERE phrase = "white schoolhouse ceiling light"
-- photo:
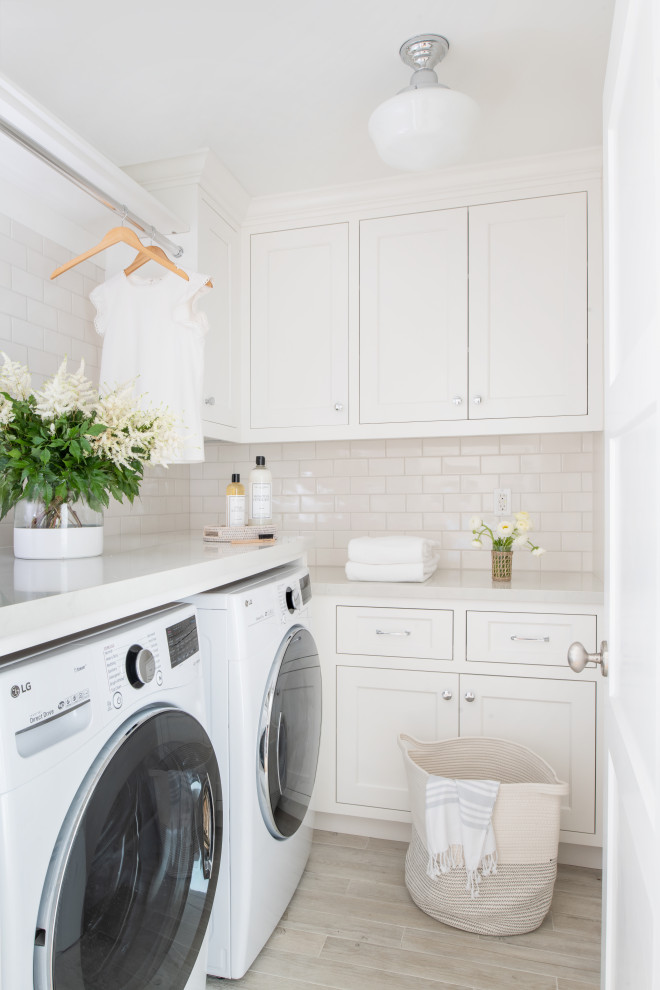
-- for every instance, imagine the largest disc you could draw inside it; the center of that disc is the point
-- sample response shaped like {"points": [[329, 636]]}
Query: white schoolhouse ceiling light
{"points": [[426, 125]]}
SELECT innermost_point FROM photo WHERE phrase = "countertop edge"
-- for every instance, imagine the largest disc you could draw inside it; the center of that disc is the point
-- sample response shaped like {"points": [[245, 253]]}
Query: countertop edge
{"points": [[43, 619]]}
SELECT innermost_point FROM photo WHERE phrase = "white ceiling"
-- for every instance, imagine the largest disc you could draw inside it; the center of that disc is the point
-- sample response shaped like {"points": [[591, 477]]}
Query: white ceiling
{"points": [[281, 90]]}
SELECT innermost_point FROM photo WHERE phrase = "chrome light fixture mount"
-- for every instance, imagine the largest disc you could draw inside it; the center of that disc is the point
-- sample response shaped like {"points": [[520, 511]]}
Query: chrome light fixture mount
{"points": [[426, 125]]}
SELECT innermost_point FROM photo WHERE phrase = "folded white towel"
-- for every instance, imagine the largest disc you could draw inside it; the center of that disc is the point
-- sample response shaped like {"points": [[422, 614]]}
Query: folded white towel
{"points": [[419, 571], [459, 829], [391, 549]]}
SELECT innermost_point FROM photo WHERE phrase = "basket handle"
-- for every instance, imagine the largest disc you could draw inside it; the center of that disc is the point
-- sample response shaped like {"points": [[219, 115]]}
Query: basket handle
{"points": [[407, 742]]}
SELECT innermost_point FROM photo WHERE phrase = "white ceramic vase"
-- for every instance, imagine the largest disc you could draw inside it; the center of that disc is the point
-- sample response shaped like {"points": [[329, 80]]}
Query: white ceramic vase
{"points": [[60, 530]]}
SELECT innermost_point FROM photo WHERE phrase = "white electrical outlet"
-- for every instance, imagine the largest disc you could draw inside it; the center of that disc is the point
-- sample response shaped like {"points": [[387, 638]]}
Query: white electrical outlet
{"points": [[502, 501]]}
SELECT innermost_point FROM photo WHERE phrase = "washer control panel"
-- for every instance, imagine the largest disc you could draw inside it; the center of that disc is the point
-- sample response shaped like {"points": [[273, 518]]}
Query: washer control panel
{"points": [[294, 594]]}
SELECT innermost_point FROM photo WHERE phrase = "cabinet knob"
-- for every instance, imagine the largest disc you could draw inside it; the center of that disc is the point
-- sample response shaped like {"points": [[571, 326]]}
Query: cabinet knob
{"points": [[447, 696], [339, 406], [210, 401], [578, 658], [476, 399], [457, 400], [470, 696]]}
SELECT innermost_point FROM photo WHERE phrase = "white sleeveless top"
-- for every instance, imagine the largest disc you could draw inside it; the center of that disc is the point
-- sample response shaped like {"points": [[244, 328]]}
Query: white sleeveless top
{"points": [[153, 334]]}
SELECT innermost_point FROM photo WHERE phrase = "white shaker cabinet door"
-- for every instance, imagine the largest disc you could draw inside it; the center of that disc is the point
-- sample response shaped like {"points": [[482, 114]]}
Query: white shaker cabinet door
{"points": [[413, 317], [556, 719], [299, 327], [218, 256], [528, 308], [373, 707]]}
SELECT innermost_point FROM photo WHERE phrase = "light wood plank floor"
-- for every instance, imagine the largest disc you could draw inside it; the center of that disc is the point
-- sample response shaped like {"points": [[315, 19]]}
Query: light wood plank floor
{"points": [[352, 926]]}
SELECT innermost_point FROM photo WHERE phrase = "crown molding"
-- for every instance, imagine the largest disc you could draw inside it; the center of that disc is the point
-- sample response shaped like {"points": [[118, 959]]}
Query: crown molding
{"points": [[198, 168], [429, 190]]}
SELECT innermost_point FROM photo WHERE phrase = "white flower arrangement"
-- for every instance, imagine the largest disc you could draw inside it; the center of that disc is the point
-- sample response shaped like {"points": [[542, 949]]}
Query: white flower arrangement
{"points": [[65, 442], [507, 535]]}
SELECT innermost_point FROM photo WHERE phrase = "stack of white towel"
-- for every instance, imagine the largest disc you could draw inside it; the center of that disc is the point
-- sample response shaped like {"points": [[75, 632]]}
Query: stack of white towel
{"points": [[391, 558]]}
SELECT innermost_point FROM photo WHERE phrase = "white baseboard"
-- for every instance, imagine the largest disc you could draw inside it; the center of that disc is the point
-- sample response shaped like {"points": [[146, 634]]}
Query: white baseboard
{"points": [[569, 853], [573, 855]]}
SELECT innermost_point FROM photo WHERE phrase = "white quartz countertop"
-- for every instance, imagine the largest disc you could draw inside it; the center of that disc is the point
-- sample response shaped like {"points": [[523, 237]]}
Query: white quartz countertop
{"points": [[42, 600], [525, 586]]}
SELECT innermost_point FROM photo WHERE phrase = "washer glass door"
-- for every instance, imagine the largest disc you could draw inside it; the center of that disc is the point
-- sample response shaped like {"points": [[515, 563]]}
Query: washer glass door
{"points": [[290, 734], [131, 885]]}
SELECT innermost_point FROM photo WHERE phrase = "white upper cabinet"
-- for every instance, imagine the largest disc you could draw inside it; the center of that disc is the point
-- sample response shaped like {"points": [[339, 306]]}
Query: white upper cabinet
{"points": [[413, 317], [528, 308], [218, 255], [299, 327]]}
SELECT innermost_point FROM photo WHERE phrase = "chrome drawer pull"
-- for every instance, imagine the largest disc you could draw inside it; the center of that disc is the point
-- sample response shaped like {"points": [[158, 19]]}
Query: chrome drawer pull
{"points": [[530, 639], [385, 632]]}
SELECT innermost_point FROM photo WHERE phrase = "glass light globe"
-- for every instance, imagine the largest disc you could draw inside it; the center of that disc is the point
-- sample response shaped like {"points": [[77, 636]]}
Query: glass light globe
{"points": [[424, 128]]}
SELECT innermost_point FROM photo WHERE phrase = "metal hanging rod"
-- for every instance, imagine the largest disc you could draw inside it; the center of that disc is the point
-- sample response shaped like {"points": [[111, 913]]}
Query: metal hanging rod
{"points": [[78, 180]]}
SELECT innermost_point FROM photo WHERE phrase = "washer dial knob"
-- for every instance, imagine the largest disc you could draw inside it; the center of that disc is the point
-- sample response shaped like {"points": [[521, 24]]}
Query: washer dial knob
{"points": [[140, 666], [292, 596]]}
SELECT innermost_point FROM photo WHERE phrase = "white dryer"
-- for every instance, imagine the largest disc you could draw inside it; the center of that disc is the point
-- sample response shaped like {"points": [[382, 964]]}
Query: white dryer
{"points": [[110, 811], [264, 692]]}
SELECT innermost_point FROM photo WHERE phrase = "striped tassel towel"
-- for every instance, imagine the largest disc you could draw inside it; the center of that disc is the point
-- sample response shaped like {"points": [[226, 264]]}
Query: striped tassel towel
{"points": [[458, 828]]}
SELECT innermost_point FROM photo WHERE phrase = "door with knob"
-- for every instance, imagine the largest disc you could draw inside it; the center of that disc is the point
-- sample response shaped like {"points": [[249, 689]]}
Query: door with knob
{"points": [[218, 255], [528, 308], [556, 719], [632, 489], [299, 327], [413, 317], [373, 706]]}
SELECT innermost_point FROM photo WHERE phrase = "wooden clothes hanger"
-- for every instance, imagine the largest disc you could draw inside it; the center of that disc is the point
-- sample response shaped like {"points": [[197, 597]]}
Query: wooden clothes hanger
{"points": [[147, 254], [127, 236]]}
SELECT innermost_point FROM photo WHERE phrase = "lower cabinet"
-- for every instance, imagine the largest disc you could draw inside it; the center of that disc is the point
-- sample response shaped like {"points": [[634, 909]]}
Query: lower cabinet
{"points": [[556, 719], [373, 707]]}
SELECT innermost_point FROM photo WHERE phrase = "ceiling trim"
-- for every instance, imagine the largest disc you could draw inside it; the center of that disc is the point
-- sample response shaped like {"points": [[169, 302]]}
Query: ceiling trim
{"points": [[199, 168], [430, 189]]}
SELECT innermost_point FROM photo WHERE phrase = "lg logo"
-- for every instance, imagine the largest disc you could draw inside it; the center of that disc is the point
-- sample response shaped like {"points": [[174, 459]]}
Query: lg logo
{"points": [[17, 690]]}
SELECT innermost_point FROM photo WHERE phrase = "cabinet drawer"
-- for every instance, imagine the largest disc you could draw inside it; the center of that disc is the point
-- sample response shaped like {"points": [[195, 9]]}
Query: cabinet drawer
{"points": [[395, 632], [527, 637]]}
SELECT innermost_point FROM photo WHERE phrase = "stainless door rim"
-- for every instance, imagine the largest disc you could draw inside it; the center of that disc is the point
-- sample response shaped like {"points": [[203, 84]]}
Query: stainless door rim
{"points": [[50, 896], [264, 722]]}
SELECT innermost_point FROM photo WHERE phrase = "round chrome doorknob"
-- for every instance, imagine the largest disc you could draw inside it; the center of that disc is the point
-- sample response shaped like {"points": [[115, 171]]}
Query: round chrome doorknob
{"points": [[210, 401], [470, 696], [339, 406], [477, 400], [578, 658], [447, 696], [457, 400]]}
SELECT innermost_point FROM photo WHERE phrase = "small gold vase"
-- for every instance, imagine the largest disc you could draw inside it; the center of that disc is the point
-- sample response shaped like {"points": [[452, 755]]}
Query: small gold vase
{"points": [[501, 561]]}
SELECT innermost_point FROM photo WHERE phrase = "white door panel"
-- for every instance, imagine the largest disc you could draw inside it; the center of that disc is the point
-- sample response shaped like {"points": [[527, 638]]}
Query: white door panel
{"points": [[632, 396], [299, 327], [373, 707], [556, 719], [413, 317], [528, 308]]}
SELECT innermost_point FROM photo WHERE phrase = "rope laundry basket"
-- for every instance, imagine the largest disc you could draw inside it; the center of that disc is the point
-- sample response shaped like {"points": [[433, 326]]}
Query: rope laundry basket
{"points": [[526, 825]]}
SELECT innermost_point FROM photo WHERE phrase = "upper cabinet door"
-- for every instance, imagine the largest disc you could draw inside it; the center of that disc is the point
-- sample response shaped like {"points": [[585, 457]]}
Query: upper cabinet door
{"points": [[413, 317], [528, 308], [299, 327], [218, 257]]}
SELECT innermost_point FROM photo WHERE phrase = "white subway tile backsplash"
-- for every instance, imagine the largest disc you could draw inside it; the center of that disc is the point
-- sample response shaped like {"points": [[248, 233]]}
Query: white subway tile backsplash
{"points": [[433, 488]]}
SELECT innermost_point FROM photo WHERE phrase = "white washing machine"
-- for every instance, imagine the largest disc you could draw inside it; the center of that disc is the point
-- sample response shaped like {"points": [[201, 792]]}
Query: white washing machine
{"points": [[264, 692], [110, 811]]}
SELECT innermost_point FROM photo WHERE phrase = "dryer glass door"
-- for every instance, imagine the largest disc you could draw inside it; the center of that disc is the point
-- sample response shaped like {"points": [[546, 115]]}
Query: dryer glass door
{"points": [[290, 734], [130, 888]]}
